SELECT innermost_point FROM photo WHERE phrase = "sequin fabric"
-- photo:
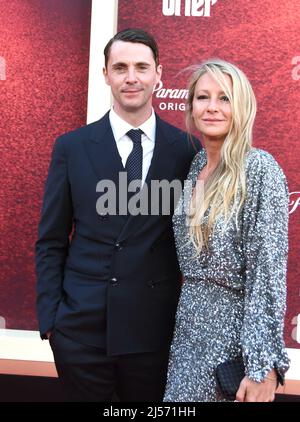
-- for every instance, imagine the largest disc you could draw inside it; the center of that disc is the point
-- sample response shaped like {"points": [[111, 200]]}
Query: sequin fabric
{"points": [[233, 296]]}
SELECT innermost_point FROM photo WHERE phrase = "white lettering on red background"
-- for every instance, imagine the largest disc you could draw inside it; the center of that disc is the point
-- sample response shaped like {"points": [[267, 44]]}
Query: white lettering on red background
{"points": [[296, 69], [190, 7], [2, 69], [294, 201]]}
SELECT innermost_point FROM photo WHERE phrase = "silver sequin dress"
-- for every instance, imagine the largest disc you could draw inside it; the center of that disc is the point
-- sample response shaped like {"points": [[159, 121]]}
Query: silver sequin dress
{"points": [[233, 297]]}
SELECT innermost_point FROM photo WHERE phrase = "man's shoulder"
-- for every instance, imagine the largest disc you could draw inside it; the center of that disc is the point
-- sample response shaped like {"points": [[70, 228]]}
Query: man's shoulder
{"points": [[172, 131], [87, 131], [168, 127], [176, 133]]}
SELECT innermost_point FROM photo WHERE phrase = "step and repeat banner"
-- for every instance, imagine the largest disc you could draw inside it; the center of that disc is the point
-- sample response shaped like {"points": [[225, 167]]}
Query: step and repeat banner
{"points": [[263, 39], [44, 59]]}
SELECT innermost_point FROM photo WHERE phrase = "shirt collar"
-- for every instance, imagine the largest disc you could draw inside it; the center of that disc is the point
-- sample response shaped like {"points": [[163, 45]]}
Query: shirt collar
{"points": [[120, 127]]}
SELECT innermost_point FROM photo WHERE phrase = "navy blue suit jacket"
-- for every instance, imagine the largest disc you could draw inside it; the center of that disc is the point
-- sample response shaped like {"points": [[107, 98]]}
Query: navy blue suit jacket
{"points": [[108, 281]]}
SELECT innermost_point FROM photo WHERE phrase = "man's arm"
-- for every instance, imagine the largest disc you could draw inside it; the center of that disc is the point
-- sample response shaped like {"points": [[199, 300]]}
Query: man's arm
{"points": [[53, 239]]}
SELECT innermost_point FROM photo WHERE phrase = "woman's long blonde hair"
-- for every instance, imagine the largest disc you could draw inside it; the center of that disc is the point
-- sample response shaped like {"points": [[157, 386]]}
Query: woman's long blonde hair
{"points": [[225, 189]]}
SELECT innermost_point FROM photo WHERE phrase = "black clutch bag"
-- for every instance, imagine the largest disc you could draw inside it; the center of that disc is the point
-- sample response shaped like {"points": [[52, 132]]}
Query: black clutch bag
{"points": [[229, 374]]}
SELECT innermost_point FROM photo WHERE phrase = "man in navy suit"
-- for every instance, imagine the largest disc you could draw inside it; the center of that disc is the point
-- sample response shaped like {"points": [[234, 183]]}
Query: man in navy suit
{"points": [[108, 283]]}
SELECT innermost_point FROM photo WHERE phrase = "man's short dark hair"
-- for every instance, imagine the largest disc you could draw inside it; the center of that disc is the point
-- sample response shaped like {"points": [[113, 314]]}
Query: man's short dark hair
{"points": [[134, 35]]}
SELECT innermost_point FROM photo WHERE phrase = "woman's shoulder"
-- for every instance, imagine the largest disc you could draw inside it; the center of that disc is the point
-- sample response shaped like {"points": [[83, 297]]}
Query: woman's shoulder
{"points": [[199, 158], [259, 155], [261, 161], [261, 164], [197, 164]]}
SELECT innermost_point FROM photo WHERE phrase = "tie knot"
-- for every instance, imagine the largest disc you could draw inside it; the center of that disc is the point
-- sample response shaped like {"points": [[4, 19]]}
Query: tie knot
{"points": [[135, 135]]}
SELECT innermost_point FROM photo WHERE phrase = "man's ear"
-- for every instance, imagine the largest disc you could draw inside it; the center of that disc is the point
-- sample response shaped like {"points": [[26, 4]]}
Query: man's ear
{"points": [[104, 70], [158, 73]]}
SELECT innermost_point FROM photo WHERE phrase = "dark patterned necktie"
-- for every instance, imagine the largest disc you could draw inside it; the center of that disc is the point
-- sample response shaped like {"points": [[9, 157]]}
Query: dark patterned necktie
{"points": [[134, 163]]}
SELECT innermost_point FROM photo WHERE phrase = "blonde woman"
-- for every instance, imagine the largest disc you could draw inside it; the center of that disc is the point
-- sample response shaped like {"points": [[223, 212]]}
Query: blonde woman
{"points": [[232, 248]]}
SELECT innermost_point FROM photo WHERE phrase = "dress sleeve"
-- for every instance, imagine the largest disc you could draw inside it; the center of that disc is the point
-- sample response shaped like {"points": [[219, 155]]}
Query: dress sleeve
{"points": [[265, 242]]}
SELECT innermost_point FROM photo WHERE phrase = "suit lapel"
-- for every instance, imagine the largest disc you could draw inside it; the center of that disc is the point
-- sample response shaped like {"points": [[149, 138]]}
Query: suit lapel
{"points": [[102, 151]]}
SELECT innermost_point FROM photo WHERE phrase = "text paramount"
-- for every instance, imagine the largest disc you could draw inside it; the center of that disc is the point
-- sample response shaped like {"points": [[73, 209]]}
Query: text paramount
{"points": [[173, 94]]}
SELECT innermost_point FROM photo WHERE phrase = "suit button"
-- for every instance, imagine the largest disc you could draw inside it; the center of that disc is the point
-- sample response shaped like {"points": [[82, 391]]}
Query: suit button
{"points": [[151, 284], [113, 281], [118, 246], [103, 217]]}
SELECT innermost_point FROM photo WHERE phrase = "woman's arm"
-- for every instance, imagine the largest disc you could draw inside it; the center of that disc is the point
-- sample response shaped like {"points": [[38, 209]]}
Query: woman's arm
{"points": [[265, 233]]}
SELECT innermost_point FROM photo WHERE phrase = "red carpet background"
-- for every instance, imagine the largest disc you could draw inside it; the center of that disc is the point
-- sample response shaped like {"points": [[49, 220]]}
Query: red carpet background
{"points": [[44, 53], [263, 39], [45, 48]]}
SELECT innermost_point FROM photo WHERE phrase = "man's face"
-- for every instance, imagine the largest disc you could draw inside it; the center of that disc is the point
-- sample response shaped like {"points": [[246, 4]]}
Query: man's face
{"points": [[132, 74]]}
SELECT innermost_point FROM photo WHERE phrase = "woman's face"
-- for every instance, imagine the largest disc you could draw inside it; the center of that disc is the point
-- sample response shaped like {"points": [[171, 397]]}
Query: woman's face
{"points": [[211, 108]]}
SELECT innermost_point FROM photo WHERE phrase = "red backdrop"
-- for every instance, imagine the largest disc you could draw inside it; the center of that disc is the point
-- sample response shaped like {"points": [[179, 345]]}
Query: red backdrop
{"points": [[44, 47], [44, 50], [263, 39]]}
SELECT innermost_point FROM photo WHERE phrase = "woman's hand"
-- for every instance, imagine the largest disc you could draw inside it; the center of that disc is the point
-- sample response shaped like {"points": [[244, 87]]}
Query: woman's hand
{"points": [[252, 391]]}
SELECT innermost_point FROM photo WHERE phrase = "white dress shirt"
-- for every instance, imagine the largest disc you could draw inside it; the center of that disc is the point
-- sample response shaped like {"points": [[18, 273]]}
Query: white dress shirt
{"points": [[125, 144]]}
